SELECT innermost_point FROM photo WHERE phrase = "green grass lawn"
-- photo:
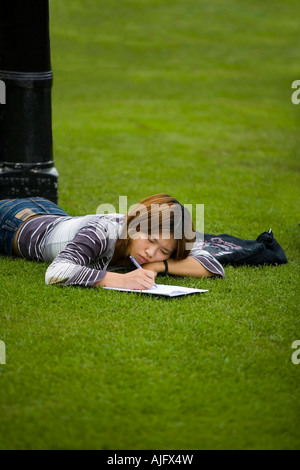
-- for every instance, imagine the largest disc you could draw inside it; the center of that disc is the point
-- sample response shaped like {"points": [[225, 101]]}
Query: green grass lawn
{"points": [[191, 98]]}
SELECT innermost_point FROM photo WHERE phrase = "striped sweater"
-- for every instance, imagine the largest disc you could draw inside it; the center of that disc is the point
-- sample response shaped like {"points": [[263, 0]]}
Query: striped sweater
{"points": [[80, 249]]}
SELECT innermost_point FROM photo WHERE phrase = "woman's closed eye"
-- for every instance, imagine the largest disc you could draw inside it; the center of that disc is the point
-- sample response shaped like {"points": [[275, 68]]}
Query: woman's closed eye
{"points": [[164, 252]]}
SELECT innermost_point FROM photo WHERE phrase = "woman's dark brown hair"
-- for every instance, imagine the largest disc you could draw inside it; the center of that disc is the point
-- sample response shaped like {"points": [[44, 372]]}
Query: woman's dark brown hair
{"points": [[162, 215]]}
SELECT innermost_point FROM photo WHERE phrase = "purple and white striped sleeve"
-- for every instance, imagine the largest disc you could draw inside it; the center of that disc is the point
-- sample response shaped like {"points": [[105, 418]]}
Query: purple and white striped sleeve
{"points": [[70, 267], [208, 261]]}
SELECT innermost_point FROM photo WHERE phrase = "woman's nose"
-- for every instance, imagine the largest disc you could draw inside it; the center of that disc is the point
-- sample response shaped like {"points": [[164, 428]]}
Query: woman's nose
{"points": [[150, 251]]}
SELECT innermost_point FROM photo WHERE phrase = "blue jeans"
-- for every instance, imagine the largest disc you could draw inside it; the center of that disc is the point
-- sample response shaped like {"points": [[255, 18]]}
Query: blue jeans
{"points": [[14, 212]]}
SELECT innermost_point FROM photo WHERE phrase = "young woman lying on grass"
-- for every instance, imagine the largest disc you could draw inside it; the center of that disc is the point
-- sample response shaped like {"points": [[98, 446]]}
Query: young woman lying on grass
{"points": [[86, 250]]}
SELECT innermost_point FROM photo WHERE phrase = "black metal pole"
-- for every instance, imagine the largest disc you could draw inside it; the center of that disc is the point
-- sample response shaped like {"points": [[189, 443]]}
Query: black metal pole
{"points": [[26, 151]]}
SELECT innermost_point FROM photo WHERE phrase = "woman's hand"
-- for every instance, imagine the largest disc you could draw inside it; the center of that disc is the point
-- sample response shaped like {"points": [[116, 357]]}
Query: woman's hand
{"points": [[139, 279]]}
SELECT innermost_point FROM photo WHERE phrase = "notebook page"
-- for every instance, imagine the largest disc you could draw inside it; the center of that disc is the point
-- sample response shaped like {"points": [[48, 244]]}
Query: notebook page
{"points": [[162, 289]]}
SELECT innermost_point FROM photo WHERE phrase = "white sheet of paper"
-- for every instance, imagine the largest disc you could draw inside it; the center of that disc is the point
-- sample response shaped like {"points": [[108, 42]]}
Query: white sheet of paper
{"points": [[162, 289]]}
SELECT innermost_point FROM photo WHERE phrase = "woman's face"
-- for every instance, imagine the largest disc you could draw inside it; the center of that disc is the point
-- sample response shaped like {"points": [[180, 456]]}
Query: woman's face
{"points": [[147, 249]]}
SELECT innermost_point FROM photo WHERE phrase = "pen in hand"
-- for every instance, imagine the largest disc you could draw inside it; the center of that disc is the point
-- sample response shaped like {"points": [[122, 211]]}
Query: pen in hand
{"points": [[137, 264]]}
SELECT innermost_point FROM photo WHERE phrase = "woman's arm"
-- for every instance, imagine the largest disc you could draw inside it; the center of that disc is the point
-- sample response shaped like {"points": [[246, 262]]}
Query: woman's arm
{"points": [[188, 267], [202, 265], [76, 264]]}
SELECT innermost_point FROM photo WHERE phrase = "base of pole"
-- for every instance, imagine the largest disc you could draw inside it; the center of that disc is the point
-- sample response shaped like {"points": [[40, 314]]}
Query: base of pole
{"points": [[21, 181]]}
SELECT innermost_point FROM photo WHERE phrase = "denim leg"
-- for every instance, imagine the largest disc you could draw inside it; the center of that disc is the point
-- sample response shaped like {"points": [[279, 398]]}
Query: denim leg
{"points": [[14, 212]]}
